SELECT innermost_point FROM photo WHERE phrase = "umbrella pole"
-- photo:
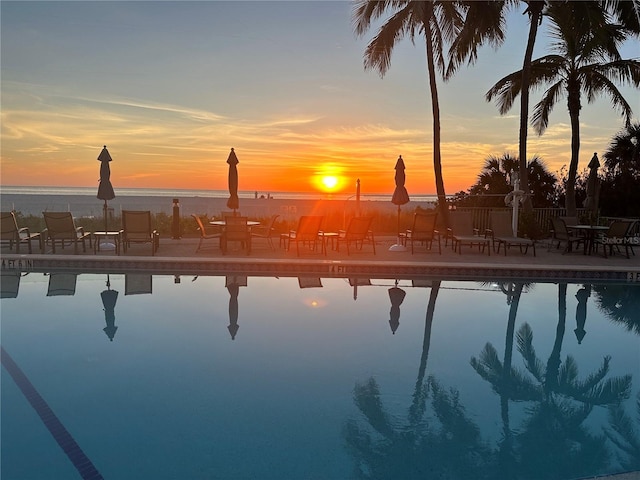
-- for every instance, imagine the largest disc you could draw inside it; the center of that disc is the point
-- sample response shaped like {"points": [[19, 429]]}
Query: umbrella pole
{"points": [[398, 247], [105, 243], [104, 208]]}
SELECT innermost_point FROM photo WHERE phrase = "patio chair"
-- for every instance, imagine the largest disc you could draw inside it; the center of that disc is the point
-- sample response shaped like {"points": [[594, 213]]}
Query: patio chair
{"points": [[136, 228], [266, 231], [501, 233], [10, 232], [561, 234], [307, 232], [618, 235], [61, 228], [203, 233], [236, 230], [358, 232], [462, 233], [422, 230]]}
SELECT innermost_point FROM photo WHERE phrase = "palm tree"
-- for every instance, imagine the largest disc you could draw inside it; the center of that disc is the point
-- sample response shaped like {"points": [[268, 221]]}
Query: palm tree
{"points": [[623, 153], [438, 21], [535, 9], [494, 181], [484, 22], [585, 61]]}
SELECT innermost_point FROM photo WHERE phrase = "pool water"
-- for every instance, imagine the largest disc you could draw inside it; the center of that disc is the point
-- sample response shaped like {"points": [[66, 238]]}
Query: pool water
{"points": [[285, 378]]}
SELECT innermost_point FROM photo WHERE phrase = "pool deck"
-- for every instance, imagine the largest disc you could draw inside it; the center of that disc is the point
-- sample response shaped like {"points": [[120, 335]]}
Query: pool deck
{"points": [[179, 256]]}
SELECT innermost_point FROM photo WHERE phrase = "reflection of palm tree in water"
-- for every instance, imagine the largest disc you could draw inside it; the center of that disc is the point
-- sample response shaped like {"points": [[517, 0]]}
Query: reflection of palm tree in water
{"points": [[504, 379], [624, 435], [621, 304], [448, 445], [420, 393], [554, 429]]}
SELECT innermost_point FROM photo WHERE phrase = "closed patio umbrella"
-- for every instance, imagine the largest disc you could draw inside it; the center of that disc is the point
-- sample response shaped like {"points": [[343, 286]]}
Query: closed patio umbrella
{"points": [[400, 197], [591, 203], [233, 203], [105, 189], [358, 197]]}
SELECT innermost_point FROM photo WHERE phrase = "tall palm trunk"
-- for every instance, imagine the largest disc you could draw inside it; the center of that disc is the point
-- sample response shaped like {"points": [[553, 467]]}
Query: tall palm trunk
{"points": [[435, 108], [573, 104], [535, 13]]}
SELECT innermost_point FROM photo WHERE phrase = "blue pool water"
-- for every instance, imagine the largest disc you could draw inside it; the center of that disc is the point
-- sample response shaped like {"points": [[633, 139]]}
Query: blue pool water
{"points": [[292, 382]]}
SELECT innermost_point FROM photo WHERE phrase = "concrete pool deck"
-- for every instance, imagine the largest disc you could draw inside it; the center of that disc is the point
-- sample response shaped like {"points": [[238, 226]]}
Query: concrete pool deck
{"points": [[179, 256]]}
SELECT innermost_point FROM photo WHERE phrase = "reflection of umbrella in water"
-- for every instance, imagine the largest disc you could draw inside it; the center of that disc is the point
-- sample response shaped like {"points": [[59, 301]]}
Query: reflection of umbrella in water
{"points": [[233, 327], [105, 189], [396, 295], [400, 197], [581, 311], [109, 298], [233, 203], [593, 186]]}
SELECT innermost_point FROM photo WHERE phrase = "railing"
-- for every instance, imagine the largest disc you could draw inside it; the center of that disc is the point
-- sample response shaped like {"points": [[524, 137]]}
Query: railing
{"points": [[542, 216]]}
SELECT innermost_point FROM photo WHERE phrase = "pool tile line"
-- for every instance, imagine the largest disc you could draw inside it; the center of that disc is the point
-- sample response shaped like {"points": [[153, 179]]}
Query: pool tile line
{"points": [[80, 461]]}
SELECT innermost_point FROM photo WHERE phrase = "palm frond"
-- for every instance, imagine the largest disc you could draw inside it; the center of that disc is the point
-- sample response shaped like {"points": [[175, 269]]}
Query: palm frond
{"points": [[506, 90], [524, 339], [542, 110]]}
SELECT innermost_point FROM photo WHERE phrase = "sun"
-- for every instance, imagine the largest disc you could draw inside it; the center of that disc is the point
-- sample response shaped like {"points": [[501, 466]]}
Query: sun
{"points": [[329, 178], [330, 182]]}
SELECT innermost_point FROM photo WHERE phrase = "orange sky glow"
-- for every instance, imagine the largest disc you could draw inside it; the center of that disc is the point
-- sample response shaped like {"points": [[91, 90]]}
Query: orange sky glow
{"points": [[294, 119]]}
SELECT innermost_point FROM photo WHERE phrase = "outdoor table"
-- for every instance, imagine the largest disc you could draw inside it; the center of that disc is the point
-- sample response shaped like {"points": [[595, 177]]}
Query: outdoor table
{"points": [[327, 237], [222, 223], [589, 232], [106, 235]]}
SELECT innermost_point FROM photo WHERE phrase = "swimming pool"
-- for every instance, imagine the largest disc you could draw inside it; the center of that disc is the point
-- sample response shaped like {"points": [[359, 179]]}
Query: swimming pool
{"points": [[207, 377]]}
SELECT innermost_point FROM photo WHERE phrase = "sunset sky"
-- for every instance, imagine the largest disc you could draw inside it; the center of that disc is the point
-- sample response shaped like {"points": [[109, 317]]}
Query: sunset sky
{"points": [[170, 87]]}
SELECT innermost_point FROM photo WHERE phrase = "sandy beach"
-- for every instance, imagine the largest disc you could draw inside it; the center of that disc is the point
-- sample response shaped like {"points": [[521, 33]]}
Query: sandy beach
{"points": [[288, 209]]}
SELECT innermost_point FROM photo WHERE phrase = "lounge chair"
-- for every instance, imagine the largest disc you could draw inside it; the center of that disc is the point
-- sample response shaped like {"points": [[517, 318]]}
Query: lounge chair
{"points": [[9, 283], [62, 228], [236, 230], [266, 231], [309, 282], [618, 235], [462, 233], [307, 232], [136, 228], [62, 284], [203, 233], [561, 234], [501, 233], [138, 284], [358, 232], [10, 232], [422, 230]]}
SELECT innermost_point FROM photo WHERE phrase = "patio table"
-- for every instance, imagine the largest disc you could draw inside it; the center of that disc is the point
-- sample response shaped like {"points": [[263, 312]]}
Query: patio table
{"points": [[589, 232]]}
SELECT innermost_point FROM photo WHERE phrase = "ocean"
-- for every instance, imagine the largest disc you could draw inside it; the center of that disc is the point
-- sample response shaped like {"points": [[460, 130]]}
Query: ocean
{"points": [[183, 193], [82, 201]]}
